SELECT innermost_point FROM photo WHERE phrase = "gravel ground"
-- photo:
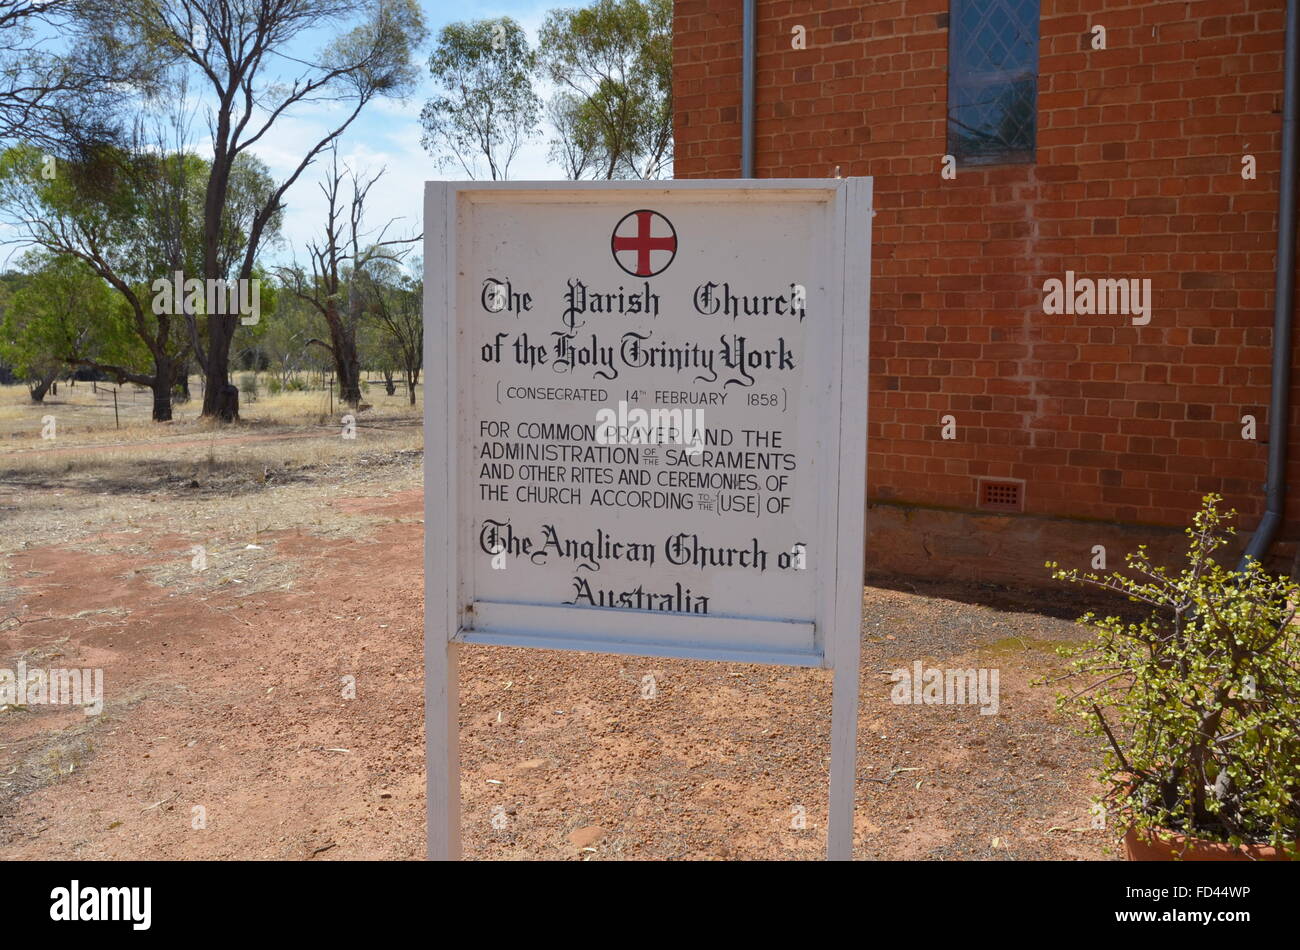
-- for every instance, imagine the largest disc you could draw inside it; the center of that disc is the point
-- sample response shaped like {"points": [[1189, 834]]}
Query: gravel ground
{"points": [[226, 697]]}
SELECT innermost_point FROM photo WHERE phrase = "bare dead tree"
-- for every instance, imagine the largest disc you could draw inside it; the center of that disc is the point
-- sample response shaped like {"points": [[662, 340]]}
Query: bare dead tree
{"points": [[336, 288]]}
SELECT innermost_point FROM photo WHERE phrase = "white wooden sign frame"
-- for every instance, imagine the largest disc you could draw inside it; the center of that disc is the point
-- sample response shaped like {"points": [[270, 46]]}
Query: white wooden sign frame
{"points": [[452, 616]]}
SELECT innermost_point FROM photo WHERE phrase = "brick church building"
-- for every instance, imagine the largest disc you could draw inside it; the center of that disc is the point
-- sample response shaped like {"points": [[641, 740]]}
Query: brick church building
{"points": [[1014, 143]]}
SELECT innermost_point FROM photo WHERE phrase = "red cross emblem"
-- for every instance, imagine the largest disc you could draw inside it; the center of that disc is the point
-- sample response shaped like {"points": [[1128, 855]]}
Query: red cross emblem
{"points": [[634, 240]]}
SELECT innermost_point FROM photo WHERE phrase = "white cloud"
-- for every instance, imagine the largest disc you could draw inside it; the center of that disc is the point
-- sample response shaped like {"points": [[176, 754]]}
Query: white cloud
{"points": [[385, 135]]}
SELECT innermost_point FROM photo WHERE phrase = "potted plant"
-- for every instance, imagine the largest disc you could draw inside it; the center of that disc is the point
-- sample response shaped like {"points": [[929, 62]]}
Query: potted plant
{"points": [[1198, 703]]}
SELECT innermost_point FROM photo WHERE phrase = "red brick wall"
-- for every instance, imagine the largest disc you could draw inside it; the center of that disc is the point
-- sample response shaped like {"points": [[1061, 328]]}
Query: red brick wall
{"points": [[1138, 174]]}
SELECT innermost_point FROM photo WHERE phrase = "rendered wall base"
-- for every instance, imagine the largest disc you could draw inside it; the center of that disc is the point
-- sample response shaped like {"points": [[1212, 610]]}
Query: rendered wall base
{"points": [[1012, 548]]}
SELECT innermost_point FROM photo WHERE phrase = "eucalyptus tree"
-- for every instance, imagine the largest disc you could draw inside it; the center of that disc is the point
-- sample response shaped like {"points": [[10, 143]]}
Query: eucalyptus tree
{"points": [[60, 314], [486, 107], [63, 65], [612, 62], [394, 302], [246, 55], [99, 211]]}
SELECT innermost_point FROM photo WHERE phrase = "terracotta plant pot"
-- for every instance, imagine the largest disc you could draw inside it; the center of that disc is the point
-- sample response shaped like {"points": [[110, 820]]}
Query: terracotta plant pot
{"points": [[1140, 846]]}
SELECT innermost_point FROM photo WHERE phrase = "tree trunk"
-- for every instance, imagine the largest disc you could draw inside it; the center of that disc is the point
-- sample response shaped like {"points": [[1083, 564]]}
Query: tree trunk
{"points": [[43, 386], [350, 391], [411, 376], [227, 403], [164, 373], [221, 329], [348, 373], [350, 382], [347, 366], [389, 386], [162, 399]]}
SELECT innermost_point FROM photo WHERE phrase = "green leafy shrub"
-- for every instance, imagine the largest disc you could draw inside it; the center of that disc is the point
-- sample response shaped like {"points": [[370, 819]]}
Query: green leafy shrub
{"points": [[273, 386], [1199, 703], [248, 386]]}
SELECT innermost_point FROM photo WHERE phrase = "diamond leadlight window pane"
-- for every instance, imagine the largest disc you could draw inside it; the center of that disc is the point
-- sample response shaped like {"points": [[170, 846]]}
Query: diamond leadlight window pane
{"points": [[992, 81]]}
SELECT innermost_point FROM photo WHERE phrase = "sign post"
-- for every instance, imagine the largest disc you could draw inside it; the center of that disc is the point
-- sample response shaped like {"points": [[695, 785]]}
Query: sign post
{"points": [[645, 434]]}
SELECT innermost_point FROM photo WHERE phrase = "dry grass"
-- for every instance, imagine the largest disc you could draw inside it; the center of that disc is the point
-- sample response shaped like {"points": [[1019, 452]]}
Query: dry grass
{"points": [[290, 430], [218, 485], [204, 456], [16, 407], [83, 416], [231, 491]]}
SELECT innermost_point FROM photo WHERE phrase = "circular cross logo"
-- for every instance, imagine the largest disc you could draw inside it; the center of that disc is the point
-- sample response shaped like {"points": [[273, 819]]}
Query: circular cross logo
{"points": [[644, 243]]}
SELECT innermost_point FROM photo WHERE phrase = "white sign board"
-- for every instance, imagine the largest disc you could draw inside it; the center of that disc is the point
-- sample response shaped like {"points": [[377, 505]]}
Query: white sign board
{"points": [[645, 421]]}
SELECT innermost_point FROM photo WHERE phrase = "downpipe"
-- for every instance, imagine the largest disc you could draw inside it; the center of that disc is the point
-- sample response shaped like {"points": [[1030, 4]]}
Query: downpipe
{"points": [[1284, 299]]}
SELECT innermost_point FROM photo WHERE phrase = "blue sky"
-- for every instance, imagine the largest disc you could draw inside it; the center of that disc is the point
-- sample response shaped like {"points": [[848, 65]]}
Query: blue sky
{"points": [[387, 135]]}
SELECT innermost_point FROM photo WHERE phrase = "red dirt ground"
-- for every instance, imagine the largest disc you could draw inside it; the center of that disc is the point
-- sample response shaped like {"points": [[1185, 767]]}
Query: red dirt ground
{"points": [[234, 704]]}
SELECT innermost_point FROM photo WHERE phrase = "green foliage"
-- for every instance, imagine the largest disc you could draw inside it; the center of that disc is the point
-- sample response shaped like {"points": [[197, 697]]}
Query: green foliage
{"points": [[108, 211], [374, 58], [282, 339], [486, 107], [395, 329], [97, 201], [251, 186], [613, 63], [133, 216], [61, 311], [1200, 701]]}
